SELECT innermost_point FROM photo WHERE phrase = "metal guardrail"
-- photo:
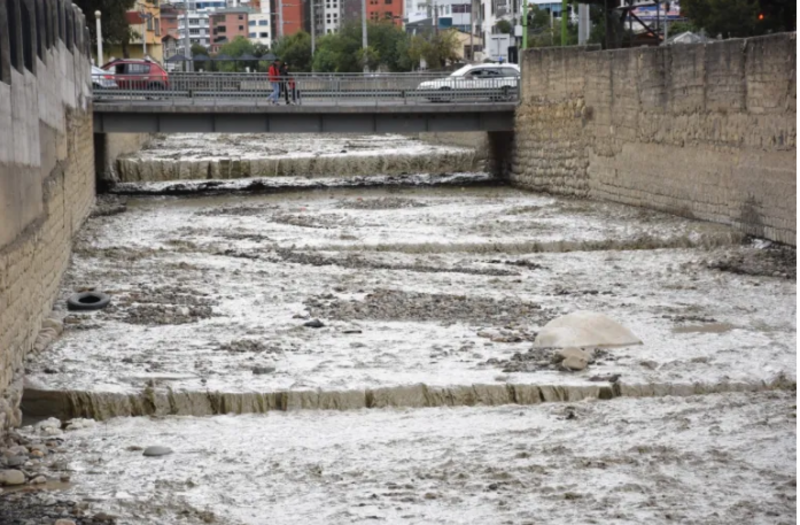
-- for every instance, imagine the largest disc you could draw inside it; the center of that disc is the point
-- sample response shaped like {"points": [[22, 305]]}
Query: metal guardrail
{"points": [[334, 89]]}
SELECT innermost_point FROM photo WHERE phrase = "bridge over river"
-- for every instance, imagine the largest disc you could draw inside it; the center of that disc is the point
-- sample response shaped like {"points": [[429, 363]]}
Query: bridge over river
{"points": [[240, 103]]}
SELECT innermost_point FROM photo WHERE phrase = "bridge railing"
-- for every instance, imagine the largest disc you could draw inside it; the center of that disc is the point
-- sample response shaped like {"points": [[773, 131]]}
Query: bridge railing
{"points": [[301, 88]]}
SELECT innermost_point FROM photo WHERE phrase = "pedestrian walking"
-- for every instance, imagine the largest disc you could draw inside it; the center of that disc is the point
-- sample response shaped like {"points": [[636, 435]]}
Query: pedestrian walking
{"points": [[289, 85], [274, 75]]}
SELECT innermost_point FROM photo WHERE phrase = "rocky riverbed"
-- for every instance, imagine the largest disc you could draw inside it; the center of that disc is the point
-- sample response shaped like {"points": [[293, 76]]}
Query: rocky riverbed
{"points": [[412, 310]]}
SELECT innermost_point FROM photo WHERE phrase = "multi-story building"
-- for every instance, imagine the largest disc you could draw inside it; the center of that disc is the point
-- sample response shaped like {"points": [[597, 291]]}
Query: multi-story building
{"points": [[293, 16], [227, 24], [145, 20], [198, 30], [259, 28], [169, 20], [378, 10]]}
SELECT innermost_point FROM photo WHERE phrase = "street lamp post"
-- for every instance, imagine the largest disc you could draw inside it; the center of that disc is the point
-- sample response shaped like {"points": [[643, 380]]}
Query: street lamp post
{"points": [[364, 33], [98, 28]]}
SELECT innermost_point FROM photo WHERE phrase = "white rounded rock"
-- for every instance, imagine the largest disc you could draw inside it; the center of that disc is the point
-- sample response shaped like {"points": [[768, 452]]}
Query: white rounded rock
{"points": [[583, 329], [12, 477]]}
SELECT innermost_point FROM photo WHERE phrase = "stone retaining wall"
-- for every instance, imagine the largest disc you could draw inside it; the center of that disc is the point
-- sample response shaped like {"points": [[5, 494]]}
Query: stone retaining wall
{"points": [[46, 171], [704, 131]]}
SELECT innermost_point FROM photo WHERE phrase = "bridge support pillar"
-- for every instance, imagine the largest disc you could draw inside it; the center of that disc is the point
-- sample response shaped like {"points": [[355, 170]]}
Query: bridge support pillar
{"points": [[501, 146]]}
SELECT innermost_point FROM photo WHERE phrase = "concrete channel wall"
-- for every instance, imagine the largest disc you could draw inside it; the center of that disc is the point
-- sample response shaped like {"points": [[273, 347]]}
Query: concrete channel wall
{"points": [[46, 170], [703, 131]]}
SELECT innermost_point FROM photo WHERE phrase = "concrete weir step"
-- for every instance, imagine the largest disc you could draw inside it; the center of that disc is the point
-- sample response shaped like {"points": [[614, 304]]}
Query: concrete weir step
{"points": [[67, 404], [697, 459]]}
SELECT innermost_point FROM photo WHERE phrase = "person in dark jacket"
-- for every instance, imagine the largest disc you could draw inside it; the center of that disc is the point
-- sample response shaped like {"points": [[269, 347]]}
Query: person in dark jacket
{"points": [[288, 85]]}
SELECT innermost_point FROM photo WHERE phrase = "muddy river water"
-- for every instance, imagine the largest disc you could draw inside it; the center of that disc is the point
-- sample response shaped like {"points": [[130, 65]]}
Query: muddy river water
{"points": [[361, 355]]}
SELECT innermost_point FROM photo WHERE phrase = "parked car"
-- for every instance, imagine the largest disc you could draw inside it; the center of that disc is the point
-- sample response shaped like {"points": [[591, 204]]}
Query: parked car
{"points": [[101, 79], [138, 74], [497, 81]]}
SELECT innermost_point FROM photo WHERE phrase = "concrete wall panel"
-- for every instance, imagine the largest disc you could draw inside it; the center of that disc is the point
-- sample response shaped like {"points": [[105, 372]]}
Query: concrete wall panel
{"points": [[46, 186], [707, 131]]}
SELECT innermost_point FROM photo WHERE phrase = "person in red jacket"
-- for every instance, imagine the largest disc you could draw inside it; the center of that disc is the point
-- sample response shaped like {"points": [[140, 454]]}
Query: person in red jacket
{"points": [[274, 75]]}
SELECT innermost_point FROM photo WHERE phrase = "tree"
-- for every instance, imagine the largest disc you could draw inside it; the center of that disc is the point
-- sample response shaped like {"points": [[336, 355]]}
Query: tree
{"points": [[443, 48], [342, 51], [116, 30], [729, 18], [295, 50], [504, 27], [238, 47], [205, 65]]}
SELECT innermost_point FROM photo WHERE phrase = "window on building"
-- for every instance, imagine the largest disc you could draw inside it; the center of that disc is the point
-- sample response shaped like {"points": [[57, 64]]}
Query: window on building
{"points": [[241, 17], [387, 15], [252, 35], [149, 23], [158, 27], [263, 35], [263, 22], [251, 23], [194, 31], [241, 28]]}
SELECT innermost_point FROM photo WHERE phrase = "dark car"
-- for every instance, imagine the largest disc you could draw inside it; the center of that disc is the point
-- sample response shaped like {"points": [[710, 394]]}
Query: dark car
{"points": [[132, 73]]}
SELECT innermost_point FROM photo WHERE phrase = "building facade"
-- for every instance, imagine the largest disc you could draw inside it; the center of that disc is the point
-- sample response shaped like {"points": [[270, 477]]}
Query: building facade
{"points": [[260, 28], [198, 30], [293, 16], [225, 25]]}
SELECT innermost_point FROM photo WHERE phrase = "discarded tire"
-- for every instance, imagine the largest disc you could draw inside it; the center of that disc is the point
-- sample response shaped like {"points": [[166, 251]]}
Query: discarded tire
{"points": [[88, 301]]}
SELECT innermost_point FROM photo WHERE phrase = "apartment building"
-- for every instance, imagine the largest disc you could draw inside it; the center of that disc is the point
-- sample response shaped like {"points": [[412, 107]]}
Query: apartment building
{"points": [[199, 32], [227, 24], [259, 28], [293, 15]]}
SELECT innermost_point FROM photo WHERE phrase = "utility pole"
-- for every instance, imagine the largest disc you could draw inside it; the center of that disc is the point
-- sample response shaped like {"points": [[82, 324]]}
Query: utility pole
{"points": [[313, 33], [99, 30], [364, 33], [525, 24], [658, 20], [280, 18], [471, 33], [584, 24], [187, 47], [563, 22]]}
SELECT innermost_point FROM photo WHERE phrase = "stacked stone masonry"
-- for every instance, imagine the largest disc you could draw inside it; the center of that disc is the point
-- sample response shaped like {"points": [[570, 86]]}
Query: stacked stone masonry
{"points": [[703, 131], [46, 171]]}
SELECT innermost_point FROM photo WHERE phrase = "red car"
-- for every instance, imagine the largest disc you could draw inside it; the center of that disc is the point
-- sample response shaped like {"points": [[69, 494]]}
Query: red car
{"points": [[132, 73]]}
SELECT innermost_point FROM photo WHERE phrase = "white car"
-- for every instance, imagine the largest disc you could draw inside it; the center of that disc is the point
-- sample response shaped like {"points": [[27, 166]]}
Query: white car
{"points": [[495, 81], [102, 79]]}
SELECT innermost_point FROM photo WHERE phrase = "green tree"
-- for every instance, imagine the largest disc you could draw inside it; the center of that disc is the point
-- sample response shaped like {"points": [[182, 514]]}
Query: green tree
{"points": [[295, 50], [205, 65], [238, 47], [504, 27], [116, 30], [342, 51], [442, 48], [729, 18]]}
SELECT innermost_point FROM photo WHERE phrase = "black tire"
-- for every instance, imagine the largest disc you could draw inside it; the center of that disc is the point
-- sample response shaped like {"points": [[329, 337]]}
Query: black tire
{"points": [[87, 301], [505, 93], [447, 95]]}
